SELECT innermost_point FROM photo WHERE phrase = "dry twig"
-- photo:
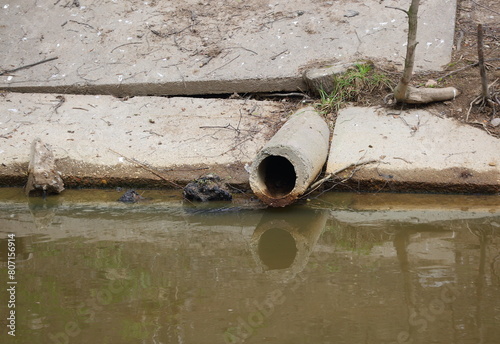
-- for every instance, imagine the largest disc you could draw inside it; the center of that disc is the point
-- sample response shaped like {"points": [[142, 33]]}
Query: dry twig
{"points": [[466, 67], [140, 164], [317, 184], [8, 71]]}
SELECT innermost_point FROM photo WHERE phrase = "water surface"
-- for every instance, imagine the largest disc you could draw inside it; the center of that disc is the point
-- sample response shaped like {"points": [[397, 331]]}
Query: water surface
{"points": [[344, 268]]}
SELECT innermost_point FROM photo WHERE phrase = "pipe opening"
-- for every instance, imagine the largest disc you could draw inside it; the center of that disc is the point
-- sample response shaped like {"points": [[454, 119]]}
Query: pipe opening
{"points": [[277, 249], [278, 174]]}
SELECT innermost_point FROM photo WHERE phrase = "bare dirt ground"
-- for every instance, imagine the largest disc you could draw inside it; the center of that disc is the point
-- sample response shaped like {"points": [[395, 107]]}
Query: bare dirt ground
{"points": [[462, 72]]}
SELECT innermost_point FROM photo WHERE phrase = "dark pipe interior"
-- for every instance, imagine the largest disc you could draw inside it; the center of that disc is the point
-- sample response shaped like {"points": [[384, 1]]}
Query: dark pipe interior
{"points": [[277, 249], [278, 175]]}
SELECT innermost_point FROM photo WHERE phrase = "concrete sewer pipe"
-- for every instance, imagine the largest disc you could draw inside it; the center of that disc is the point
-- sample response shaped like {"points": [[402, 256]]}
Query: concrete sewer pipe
{"points": [[286, 166]]}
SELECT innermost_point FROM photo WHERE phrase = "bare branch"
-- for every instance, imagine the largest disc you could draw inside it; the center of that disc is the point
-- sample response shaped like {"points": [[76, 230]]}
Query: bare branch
{"points": [[399, 9], [8, 71], [140, 164], [485, 7], [317, 184]]}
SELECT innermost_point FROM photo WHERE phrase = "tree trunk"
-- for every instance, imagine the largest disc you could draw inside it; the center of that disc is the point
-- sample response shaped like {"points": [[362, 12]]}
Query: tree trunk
{"points": [[482, 69], [401, 90]]}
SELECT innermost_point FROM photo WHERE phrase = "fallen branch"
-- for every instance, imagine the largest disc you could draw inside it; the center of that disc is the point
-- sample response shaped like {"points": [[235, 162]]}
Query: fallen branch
{"points": [[224, 65], [486, 7], [121, 45], [140, 164], [397, 8], [8, 71], [317, 184], [428, 95], [83, 24], [475, 64], [459, 70]]}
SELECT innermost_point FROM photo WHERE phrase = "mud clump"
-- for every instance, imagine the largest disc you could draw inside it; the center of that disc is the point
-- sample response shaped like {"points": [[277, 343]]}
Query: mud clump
{"points": [[130, 197], [207, 188]]}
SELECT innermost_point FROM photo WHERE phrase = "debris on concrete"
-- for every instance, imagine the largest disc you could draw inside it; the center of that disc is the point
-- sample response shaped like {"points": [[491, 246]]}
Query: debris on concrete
{"points": [[104, 141], [286, 166], [204, 47], [222, 48], [351, 13], [207, 188], [130, 196], [43, 176]]}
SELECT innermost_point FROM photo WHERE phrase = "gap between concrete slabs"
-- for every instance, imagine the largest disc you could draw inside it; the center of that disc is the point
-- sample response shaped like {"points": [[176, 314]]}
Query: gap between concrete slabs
{"points": [[415, 151], [206, 47], [106, 141]]}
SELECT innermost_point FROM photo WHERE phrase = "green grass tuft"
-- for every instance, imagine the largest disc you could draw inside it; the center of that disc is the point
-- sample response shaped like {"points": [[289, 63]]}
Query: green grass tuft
{"points": [[350, 86]]}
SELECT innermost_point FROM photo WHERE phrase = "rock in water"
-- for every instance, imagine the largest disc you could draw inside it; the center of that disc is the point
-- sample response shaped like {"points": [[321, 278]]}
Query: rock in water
{"points": [[43, 177], [207, 188], [130, 197]]}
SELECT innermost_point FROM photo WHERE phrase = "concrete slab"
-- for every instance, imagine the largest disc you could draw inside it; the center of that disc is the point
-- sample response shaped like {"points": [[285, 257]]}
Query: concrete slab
{"points": [[95, 138], [415, 151], [199, 47]]}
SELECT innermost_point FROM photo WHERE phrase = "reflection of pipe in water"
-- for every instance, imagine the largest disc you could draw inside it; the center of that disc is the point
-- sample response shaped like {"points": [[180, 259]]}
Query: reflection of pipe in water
{"points": [[291, 160], [283, 240]]}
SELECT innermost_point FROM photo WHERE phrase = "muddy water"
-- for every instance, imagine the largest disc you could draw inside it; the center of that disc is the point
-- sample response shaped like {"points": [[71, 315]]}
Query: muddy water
{"points": [[344, 268]]}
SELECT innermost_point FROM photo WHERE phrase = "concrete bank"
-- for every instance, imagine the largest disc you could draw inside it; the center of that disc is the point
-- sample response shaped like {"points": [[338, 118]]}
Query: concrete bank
{"points": [[103, 141], [204, 47], [414, 151]]}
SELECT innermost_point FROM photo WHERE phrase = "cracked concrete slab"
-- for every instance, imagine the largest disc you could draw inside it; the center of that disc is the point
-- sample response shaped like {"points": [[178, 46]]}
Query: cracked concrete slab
{"points": [[205, 47], [414, 151], [98, 139]]}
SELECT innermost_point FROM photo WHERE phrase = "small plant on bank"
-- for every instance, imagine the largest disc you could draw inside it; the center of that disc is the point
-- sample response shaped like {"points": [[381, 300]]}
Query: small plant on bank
{"points": [[351, 86]]}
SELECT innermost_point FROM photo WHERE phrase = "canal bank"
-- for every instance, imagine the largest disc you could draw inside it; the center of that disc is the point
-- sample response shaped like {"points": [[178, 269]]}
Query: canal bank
{"points": [[154, 54], [150, 142]]}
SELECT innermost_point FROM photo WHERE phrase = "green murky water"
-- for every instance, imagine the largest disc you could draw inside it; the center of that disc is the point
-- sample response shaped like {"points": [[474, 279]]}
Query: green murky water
{"points": [[345, 268]]}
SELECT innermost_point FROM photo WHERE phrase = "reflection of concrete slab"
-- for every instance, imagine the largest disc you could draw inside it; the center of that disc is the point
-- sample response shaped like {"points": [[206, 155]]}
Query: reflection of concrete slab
{"points": [[413, 202], [414, 151], [200, 47], [382, 217], [98, 136]]}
